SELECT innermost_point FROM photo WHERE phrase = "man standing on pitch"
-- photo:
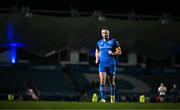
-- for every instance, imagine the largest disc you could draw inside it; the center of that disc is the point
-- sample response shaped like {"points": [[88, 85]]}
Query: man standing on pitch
{"points": [[107, 49]]}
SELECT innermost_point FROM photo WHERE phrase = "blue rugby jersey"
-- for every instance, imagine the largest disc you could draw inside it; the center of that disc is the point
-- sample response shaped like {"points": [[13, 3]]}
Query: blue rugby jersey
{"points": [[104, 47]]}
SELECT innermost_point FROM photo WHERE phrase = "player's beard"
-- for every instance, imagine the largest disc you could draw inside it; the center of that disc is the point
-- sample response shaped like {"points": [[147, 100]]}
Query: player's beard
{"points": [[106, 37]]}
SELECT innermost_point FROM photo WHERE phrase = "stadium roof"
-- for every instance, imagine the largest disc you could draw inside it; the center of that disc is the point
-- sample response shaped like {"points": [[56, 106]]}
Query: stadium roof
{"points": [[112, 6], [48, 33], [44, 34]]}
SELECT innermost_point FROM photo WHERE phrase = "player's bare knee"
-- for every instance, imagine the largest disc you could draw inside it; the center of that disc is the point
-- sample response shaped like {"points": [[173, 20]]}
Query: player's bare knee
{"points": [[112, 83]]}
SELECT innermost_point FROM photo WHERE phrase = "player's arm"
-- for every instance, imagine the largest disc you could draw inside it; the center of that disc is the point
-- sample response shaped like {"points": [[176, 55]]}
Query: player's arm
{"points": [[159, 89], [97, 54], [165, 89], [117, 49]]}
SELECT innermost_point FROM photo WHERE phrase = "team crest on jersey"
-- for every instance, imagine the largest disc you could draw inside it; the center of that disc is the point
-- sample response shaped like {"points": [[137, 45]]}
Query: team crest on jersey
{"points": [[109, 42]]}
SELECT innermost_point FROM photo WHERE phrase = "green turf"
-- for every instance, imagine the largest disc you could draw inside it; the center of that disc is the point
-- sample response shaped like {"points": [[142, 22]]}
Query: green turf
{"points": [[84, 105]]}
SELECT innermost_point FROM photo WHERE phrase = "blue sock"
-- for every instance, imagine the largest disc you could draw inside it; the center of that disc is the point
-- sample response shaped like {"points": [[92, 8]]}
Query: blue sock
{"points": [[112, 89], [102, 91]]}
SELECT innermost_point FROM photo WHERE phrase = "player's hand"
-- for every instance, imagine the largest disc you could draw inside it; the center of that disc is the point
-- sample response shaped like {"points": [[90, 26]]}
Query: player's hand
{"points": [[110, 52], [97, 61]]}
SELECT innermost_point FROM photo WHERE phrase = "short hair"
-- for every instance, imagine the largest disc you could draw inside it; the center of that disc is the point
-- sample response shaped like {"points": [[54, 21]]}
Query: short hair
{"points": [[104, 28]]}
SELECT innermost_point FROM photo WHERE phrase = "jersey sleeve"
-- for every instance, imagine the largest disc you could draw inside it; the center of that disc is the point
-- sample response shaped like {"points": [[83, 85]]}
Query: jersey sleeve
{"points": [[116, 44], [97, 46]]}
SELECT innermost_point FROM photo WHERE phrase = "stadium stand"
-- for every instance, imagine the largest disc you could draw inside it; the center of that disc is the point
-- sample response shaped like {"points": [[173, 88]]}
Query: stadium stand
{"points": [[49, 80]]}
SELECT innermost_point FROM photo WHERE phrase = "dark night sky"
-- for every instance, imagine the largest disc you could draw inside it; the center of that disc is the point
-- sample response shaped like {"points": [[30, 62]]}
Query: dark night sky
{"points": [[107, 6]]}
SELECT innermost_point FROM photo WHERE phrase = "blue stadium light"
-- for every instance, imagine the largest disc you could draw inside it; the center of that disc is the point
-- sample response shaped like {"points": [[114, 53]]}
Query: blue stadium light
{"points": [[13, 44], [13, 61], [16, 44], [13, 55], [10, 32]]}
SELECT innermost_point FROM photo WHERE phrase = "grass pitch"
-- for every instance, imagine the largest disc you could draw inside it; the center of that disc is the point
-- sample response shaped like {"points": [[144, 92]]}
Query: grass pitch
{"points": [[84, 105]]}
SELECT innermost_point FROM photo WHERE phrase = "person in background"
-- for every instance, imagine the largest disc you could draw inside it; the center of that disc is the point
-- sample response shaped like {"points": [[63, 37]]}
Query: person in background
{"points": [[162, 92], [174, 93]]}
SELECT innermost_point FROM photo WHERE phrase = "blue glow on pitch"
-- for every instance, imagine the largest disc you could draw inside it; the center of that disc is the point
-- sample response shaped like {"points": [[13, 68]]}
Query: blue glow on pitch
{"points": [[13, 55]]}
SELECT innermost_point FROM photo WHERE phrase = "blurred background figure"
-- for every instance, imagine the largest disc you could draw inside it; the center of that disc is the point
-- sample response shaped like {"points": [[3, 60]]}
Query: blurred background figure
{"points": [[162, 92], [174, 92], [30, 95], [94, 97]]}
